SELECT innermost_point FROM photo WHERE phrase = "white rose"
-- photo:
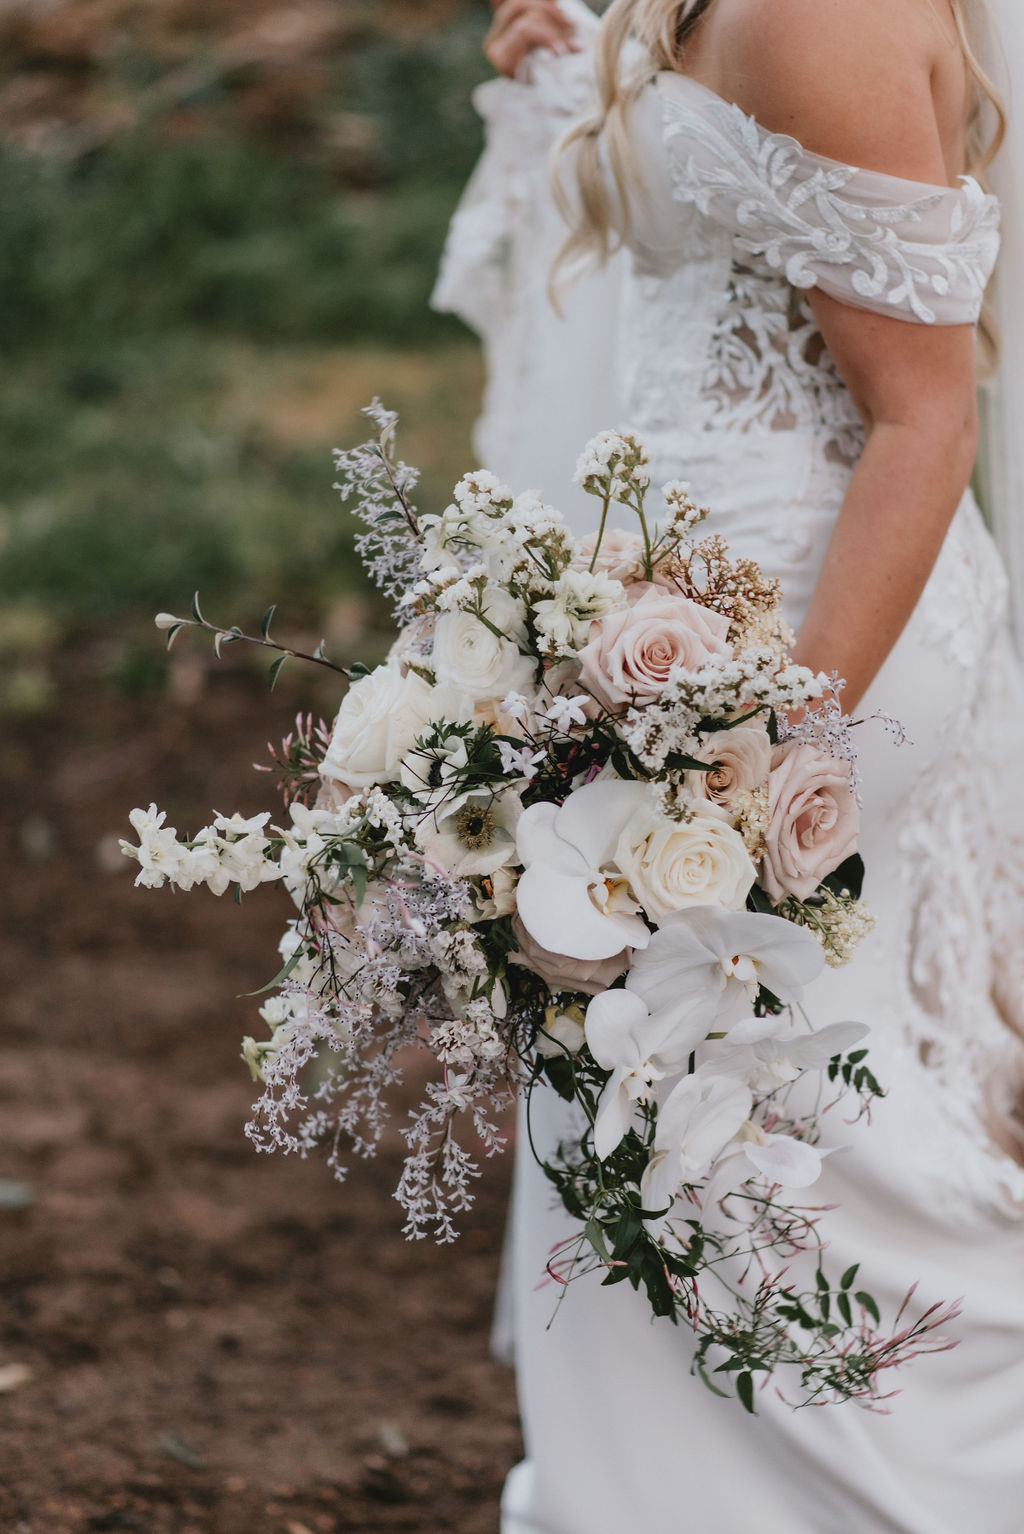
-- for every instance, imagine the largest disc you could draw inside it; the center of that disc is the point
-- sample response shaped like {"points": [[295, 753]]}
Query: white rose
{"points": [[674, 864], [378, 722], [470, 656]]}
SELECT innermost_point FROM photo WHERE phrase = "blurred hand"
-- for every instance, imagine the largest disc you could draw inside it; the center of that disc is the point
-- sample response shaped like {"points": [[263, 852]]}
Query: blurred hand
{"points": [[520, 26]]}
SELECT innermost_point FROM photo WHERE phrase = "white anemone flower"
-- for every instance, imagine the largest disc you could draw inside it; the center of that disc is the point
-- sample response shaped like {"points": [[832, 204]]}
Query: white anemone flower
{"points": [[624, 1039], [697, 1120], [571, 898], [702, 968], [473, 835]]}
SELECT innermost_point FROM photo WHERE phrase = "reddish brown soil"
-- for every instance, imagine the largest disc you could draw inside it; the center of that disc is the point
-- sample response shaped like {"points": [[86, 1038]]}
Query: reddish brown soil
{"points": [[219, 1343]]}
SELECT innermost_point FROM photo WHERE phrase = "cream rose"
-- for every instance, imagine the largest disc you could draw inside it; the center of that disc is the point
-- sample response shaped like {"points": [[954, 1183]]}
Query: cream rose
{"points": [[673, 864], [471, 657], [378, 721], [813, 820], [564, 974], [742, 758], [631, 654]]}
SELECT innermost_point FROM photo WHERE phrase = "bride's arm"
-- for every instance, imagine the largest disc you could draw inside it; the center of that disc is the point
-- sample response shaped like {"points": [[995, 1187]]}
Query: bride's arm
{"points": [[879, 84], [914, 387]]}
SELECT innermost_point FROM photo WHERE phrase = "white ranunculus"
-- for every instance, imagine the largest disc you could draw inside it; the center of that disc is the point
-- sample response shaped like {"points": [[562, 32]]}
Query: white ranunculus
{"points": [[471, 657], [378, 721], [674, 864]]}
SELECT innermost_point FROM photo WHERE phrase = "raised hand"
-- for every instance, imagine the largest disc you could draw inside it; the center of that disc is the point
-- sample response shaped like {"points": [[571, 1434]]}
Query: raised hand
{"points": [[520, 26]]}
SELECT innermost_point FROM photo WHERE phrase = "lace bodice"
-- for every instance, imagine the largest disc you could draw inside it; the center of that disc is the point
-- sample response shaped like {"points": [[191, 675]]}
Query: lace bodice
{"points": [[734, 226]]}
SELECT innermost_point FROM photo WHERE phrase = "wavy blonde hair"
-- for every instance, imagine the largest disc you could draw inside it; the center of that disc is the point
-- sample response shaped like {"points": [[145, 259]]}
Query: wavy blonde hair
{"points": [[598, 214]]}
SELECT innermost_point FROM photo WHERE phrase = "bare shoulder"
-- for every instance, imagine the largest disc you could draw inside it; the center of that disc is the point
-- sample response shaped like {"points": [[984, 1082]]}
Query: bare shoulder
{"points": [[863, 81]]}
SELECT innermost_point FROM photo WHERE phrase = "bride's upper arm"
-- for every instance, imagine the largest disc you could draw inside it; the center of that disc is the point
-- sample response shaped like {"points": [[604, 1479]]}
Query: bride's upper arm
{"points": [[850, 79]]}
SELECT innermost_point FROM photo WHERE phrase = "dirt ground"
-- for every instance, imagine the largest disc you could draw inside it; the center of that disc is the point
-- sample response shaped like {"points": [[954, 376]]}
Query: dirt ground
{"points": [[196, 1339]]}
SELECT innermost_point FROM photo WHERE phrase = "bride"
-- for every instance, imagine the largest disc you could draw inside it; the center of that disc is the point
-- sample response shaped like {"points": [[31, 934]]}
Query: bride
{"points": [[791, 324]]}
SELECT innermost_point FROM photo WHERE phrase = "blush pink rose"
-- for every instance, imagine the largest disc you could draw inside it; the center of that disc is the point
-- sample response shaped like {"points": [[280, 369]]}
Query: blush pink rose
{"points": [[630, 654], [620, 557], [813, 820], [564, 974]]}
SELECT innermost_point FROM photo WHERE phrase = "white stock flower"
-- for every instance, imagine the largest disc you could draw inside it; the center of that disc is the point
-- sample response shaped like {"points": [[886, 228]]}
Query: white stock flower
{"points": [[571, 899], [159, 854], [702, 968], [378, 722], [480, 658], [696, 1122], [638, 1050], [474, 834], [578, 600]]}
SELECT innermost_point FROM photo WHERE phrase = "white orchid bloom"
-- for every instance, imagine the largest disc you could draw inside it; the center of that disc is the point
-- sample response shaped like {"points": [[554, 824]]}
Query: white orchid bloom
{"points": [[624, 1039], [769, 1052], [703, 966], [571, 898], [697, 1120], [779, 1159]]}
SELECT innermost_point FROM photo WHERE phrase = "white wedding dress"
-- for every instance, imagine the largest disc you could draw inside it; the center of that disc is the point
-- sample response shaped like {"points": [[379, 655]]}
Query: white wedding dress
{"points": [[701, 339]]}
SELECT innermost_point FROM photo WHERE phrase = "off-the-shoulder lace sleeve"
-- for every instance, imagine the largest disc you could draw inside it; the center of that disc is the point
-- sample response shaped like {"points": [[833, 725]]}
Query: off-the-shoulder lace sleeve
{"points": [[897, 247]]}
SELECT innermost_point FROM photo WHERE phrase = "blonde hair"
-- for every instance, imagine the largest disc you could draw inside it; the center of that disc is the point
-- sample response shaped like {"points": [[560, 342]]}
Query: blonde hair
{"points": [[598, 215]]}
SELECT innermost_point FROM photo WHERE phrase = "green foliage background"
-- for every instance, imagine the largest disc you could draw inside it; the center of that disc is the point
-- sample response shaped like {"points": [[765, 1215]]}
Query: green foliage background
{"points": [[205, 270]]}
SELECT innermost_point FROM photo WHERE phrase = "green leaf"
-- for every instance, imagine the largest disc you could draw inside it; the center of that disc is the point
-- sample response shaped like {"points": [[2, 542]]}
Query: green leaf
{"points": [[280, 977], [846, 1282], [238, 894], [699, 1369], [275, 667], [267, 620], [172, 631], [843, 1306], [773, 728], [867, 1303], [745, 1390], [595, 1235], [357, 670], [195, 609], [848, 876], [320, 653], [221, 638]]}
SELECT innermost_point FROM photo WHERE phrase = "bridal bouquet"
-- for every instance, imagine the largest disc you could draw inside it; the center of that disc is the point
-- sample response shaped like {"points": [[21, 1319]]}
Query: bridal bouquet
{"points": [[565, 835]]}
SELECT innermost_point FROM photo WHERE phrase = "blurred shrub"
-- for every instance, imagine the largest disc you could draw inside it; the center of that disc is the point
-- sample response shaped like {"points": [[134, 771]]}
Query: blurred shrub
{"points": [[153, 232]]}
